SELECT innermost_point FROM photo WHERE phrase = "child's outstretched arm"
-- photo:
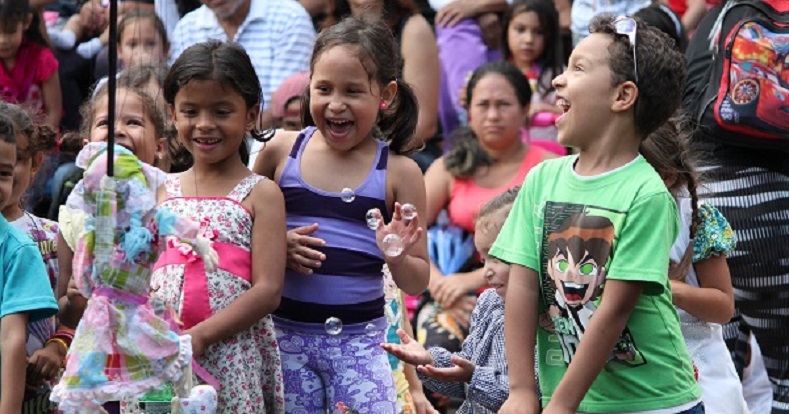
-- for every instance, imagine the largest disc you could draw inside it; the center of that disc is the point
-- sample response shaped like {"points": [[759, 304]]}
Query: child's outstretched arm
{"points": [[713, 301], [488, 385], [413, 353], [520, 331], [411, 269], [619, 300], [13, 334], [421, 404], [268, 271]]}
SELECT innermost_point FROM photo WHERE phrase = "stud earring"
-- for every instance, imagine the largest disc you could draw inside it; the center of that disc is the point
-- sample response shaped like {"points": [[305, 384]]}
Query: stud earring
{"points": [[383, 106]]}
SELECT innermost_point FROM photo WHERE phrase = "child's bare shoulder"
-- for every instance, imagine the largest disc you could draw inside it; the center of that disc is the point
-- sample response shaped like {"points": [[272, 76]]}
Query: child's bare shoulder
{"points": [[403, 166], [282, 141], [265, 190]]}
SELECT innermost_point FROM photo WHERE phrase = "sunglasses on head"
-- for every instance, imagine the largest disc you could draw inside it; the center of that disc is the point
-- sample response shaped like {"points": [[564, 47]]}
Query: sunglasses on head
{"points": [[627, 26]]}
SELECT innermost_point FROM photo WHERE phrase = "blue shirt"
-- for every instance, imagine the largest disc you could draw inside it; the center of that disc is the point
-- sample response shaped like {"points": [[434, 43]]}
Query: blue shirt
{"points": [[24, 285], [277, 34]]}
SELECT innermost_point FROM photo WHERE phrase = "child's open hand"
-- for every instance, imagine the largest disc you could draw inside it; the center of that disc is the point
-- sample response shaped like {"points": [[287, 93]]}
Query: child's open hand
{"points": [[301, 258], [410, 351], [461, 372], [408, 230]]}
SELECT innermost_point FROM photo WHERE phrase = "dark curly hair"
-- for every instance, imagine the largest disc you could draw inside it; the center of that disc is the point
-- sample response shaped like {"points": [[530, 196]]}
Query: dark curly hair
{"points": [[661, 71]]}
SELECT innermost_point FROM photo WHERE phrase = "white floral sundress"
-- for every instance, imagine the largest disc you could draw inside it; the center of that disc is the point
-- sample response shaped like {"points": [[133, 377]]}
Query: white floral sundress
{"points": [[247, 364]]}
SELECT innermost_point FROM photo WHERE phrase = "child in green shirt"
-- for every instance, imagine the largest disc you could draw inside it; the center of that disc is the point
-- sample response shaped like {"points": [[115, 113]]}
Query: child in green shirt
{"points": [[589, 238]]}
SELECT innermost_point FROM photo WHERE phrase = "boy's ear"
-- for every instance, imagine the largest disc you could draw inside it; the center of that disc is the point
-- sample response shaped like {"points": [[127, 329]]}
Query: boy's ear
{"points": [[626, 95], [28, 21]]}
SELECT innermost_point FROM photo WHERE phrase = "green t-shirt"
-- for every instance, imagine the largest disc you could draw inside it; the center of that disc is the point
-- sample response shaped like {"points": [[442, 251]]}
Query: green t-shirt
{"points": [[576, 232]]}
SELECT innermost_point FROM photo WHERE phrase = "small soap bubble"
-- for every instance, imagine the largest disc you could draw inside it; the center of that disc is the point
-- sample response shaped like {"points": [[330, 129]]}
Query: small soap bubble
{"points": [[370, 329], [393, 245], [333, 326], [347, 195], [408, 211], [373, 222]]}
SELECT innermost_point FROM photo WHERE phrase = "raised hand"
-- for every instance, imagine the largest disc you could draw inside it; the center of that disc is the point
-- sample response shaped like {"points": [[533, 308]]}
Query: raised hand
{"points": [[301, 257], [408, 230], [461, 372], [410, 351]]}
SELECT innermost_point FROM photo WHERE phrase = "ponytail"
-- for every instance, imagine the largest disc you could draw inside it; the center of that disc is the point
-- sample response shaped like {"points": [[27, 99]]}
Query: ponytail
{"points": [[398, 122]]}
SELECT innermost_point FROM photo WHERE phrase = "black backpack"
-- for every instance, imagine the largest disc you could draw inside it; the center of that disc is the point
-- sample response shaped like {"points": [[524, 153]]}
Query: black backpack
{"points": [[742, 96]]}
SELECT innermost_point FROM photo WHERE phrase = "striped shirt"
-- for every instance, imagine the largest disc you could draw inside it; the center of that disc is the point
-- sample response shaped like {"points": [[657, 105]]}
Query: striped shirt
{"points": [[277, 34], [349, 283]]}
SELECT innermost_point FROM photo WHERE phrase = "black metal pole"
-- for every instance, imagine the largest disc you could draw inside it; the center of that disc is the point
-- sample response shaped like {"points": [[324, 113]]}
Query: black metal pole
{"points": [[111, 84]]}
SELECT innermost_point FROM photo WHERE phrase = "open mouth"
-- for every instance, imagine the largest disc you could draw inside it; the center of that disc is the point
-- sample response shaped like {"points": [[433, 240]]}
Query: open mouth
{"points": [[574, 292], [339, 126], [207, 141], [563, 104]]}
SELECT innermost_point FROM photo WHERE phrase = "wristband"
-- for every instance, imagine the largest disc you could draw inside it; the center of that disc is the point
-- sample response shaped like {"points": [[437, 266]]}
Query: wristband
{"points": [[59, 341]]}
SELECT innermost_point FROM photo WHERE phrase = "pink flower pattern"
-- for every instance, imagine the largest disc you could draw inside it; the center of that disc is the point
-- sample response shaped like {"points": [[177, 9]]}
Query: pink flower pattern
{"points": [[248, 363]]}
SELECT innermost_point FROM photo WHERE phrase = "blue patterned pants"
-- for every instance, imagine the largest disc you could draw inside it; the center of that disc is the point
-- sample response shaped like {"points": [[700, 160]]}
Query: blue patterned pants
{"points": [[343, 373]]}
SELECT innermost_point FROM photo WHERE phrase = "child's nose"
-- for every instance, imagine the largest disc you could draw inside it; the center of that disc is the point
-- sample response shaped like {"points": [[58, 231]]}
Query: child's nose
{"points": [[336, 105], [119, 129], [558, 81], [204, 122]]}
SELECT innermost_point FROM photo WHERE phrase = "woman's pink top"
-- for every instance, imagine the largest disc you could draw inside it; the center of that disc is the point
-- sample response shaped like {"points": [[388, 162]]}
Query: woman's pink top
{"points": [[467, 197]]}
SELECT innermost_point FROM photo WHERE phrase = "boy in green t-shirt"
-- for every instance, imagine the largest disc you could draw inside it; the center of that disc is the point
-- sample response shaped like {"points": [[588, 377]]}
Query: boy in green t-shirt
{"points": [[589, 239]]}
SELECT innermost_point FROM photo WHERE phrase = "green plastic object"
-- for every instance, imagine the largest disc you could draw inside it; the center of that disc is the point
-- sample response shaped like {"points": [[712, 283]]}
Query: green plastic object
{"points": [[157, 401]]}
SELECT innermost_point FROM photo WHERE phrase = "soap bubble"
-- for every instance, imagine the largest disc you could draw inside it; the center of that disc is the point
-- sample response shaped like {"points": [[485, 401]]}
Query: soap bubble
{"points": [[333, 326], [347, 195], [370, 329], [373, 222], [393, 245], [408, 211]]}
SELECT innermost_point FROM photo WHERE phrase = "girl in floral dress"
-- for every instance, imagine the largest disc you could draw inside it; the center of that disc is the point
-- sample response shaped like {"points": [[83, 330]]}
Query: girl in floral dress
{"points": [[214, 96]]}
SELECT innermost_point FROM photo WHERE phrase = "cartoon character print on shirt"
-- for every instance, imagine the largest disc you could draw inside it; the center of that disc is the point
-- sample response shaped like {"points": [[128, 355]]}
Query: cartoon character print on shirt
{"points": [[577, 251]]}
